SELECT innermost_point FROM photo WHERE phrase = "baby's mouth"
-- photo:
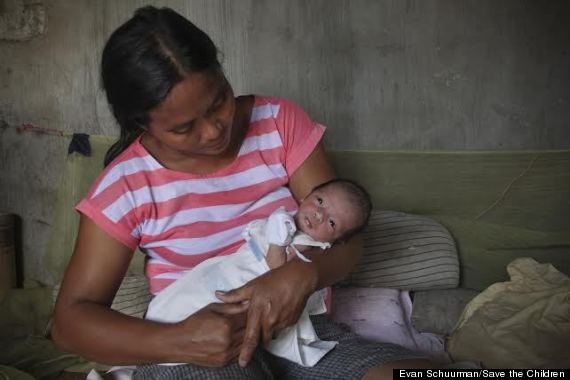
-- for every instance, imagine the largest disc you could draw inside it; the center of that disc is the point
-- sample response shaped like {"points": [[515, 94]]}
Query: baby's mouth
{"points": [[308, 223]]}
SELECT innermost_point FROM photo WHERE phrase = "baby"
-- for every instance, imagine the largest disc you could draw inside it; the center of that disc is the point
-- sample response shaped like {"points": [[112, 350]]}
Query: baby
{"points": [[332, 212]]}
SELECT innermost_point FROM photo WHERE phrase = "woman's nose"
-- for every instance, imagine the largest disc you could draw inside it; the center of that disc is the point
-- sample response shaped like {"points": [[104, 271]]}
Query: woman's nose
{"points": [[212, 130]]}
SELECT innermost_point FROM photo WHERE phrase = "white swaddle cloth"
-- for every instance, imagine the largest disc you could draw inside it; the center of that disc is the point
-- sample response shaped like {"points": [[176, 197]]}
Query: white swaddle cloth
{"points": [[298, 343]]}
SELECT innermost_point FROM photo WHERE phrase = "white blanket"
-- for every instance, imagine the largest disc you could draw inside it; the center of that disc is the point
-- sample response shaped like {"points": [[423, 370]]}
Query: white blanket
{"points": [[298, 343]]}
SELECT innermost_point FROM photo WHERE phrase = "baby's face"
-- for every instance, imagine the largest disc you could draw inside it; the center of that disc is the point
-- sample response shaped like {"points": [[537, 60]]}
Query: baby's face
{"points": [[326, 214]]}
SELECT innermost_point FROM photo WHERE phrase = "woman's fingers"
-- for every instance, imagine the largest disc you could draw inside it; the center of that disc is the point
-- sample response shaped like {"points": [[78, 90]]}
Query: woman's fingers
{"points": [[238, 334], [230, 308], [276, 300], [236, 314], [233, 352], [268, 334], [240, 294], [251, 337], [268, 324]]}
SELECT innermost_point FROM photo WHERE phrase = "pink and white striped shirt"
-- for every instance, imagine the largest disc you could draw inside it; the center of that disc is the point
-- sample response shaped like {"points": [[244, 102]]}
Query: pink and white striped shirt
{"points": [[180, 219]]}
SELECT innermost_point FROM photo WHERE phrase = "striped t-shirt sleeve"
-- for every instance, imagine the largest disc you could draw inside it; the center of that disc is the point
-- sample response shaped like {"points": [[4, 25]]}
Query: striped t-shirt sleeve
{"points": [[112, 203], [117, 229], [300, 134]]}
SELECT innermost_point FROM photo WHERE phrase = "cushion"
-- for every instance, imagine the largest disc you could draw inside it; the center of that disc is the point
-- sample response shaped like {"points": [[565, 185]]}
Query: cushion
{"points": [[24, 314], [132, 298], [437, 311], [406, 251], [7, 372], [383, 315]]}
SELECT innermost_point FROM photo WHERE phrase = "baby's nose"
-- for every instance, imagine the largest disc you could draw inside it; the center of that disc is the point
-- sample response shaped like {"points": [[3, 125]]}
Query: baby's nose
{"points": [[319, 216]]}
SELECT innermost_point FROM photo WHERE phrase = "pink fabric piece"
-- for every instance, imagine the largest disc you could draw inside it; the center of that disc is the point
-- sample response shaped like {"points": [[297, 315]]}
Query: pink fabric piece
{"points": [[384, 315]]}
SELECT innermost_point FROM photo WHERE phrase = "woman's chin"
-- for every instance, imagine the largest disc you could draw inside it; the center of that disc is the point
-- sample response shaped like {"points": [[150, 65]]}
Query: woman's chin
{"points": [[221, 148]]}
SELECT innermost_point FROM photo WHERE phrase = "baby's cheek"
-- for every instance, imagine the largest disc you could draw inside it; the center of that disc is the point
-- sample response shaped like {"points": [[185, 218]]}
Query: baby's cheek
{"points": [[325, 235]]}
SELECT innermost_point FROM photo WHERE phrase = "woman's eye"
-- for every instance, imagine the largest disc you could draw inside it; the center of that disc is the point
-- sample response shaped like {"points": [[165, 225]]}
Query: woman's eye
{"points": [[218, 103], [182, 129]]}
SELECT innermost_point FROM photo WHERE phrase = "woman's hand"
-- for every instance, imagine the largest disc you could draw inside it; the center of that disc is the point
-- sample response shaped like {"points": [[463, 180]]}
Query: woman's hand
{"points": [[85, 324], [276, 300], [212, 336]]}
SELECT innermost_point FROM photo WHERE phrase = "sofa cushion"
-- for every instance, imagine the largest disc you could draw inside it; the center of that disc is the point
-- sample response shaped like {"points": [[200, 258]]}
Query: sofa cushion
{"points": [[406, 251], [383, 315], [437, 311]]}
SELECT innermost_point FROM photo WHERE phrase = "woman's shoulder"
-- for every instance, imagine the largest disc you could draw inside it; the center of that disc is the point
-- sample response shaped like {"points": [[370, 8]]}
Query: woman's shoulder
{"points": [[133, 161], [261, 100], [134, 156], [275, 107]]}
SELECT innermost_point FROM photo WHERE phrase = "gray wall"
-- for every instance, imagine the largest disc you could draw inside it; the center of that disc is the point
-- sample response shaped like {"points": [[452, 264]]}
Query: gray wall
{"points": [[385, 74]]}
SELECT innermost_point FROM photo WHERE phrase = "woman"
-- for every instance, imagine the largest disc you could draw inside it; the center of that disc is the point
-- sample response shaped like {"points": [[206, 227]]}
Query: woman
{"points": [[192, 167]]}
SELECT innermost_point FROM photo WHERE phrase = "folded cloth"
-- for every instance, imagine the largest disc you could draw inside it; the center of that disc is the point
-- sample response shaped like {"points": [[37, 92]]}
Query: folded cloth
{"points": [[384, 315], [279, 228], [193, 291], [521, 323], [115, 373], [80, 143]]}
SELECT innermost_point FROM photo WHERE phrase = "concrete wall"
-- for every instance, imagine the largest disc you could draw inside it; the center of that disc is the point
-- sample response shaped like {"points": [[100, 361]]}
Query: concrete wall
{"points": [[442, 74]]}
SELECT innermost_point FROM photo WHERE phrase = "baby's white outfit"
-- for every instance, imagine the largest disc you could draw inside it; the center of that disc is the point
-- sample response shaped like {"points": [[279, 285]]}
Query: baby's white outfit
{"points": [[193, 291]]}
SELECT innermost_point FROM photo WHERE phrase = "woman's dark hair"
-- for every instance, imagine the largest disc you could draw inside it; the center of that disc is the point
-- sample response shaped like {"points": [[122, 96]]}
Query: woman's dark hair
{"points": [[359, 199], [143, 59]]}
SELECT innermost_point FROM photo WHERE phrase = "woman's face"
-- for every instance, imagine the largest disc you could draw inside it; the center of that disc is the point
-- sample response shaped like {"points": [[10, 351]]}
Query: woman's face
{"points": [[196, 117]]}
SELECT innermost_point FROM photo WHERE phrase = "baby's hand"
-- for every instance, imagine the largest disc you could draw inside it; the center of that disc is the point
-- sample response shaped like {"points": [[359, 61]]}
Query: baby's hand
{"points": [[276, 256]]}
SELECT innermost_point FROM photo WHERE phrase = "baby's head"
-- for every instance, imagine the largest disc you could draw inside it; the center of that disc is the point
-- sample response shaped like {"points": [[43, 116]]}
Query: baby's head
{"points": [[334, 211]]}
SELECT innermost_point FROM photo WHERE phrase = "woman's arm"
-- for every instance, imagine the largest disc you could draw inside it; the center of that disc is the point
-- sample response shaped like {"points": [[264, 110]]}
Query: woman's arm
{"points": [[340, 258], [85, 324], [278, 297]]}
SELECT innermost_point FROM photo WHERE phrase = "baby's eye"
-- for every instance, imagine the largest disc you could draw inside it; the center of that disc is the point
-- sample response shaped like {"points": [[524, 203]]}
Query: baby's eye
{"points": [[320, 200], [332, 223]]}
